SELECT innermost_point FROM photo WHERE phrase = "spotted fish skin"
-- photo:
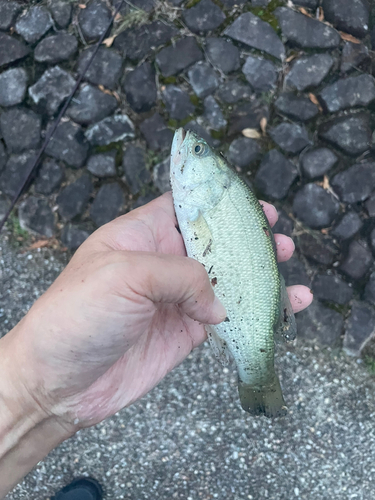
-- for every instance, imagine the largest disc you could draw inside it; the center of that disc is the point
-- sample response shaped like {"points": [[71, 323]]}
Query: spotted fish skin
{"points": [[224, 227]]}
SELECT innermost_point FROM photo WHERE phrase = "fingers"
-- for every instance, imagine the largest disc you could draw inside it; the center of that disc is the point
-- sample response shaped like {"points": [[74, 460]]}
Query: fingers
{"points": [[300, 297], [174, 279], [270, 212], [284, 247]]}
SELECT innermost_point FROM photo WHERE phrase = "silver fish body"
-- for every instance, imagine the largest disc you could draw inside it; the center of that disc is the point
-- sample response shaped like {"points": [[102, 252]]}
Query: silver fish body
{"points": [[224, 227]]}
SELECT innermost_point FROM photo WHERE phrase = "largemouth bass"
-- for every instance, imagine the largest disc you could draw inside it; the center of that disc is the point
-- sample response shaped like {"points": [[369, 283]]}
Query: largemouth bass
{"points": [[224, 228]]}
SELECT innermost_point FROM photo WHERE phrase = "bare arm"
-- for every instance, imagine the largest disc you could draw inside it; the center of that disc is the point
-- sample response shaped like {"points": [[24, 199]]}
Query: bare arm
{"points": [[27, 433]]}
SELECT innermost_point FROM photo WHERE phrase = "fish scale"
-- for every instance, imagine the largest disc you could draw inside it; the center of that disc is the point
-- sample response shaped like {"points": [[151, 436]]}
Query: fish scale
{"points": [[224, 227], [244, 263]]}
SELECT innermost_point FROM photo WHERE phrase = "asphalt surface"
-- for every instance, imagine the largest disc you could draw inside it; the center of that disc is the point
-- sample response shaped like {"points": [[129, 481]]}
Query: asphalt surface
{"points": [[189, 439]]}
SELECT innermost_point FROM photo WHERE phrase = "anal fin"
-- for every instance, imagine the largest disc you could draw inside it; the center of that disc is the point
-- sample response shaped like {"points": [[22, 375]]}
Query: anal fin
{"points": [[218, 345], [287, 328]]}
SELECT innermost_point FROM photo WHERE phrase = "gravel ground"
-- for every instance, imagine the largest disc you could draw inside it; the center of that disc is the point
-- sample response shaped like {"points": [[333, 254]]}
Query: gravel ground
{"points": [[189, 438]]}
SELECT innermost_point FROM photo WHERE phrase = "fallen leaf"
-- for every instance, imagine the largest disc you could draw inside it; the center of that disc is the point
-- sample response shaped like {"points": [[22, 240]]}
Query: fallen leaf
{"points": [[104, 90], [109, 41], [263, 124], [116, 96], [39, 244], [251, 133], [118, 17], [324, 231], [304, 11], [290, 58], [326, 185], [82, 6], [314, 99], [321, 14], [349, 38]]}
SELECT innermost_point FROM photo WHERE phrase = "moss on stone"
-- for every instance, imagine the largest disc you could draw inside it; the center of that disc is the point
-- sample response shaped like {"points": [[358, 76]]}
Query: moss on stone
{"points": [[166, 80], [172, 123], [191, 4], [218, 134], [267, 15], [134, 18], [195, 100], [117, 146], [19, 236]]}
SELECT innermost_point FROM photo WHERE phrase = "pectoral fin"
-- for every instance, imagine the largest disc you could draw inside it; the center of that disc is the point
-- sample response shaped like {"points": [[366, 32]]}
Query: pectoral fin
{"points": [[287, 328], [218, 345], [203, 239]]}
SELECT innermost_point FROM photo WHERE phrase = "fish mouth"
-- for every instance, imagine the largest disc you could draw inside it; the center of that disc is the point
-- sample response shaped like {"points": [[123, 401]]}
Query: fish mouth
{"points": [[178, 139], [177, 157]]}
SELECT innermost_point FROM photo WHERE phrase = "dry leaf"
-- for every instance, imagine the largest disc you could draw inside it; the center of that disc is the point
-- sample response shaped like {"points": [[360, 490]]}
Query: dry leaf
{"points": [[104, 90], [118, 17], [321, 14], [50, 243], [290, 58], [116, 96], [39, 244], [349, 38], [263, 124], [314, 99], [251, 133], [304, 11], [109, 41], [324, 231], [82, 6], [326, 185]]}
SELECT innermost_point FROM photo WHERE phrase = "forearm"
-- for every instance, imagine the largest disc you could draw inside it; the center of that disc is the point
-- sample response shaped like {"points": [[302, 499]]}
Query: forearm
{"points": [[27, 432]]}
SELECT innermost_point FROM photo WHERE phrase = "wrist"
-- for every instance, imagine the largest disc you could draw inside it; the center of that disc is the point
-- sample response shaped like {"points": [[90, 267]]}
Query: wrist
{"points": [[22, 391], [27, 431]]}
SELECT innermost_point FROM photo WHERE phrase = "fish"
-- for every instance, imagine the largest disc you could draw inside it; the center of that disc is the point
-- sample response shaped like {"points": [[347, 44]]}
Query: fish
{"points": [[224, 227]]}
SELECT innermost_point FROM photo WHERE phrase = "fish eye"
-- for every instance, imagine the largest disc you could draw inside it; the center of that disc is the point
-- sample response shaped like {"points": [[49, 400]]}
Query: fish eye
{"points": [[200, 149]]}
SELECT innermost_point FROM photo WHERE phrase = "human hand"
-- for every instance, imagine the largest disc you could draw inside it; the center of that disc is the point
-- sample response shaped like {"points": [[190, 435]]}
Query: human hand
{"points": [[127, 309]]}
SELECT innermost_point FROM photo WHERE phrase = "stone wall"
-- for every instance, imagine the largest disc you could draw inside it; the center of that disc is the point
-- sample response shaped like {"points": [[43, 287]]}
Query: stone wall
{"points": [[284, 90]]}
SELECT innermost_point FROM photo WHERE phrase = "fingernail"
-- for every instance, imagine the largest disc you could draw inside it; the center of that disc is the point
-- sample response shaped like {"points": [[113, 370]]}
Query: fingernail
{"points": [[218, 310]]}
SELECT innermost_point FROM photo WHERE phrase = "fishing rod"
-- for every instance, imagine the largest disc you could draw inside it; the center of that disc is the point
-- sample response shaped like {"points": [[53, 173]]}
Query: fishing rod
{"points": [[52, 130]]}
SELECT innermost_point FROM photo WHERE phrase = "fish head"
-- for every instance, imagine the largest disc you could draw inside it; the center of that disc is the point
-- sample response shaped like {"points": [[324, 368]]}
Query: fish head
{"points": [[199, 175]]}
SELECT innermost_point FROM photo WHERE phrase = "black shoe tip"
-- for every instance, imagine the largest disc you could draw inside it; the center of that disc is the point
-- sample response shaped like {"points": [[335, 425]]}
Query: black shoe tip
{"points": [[84, 488]]}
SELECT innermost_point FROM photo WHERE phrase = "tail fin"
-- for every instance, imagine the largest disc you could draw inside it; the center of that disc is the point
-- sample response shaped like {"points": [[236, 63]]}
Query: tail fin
{"points": [[263, 400]]}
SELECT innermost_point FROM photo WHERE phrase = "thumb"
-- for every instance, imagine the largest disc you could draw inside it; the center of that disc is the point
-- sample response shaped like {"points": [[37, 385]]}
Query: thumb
{"points": [[174, 279]]}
